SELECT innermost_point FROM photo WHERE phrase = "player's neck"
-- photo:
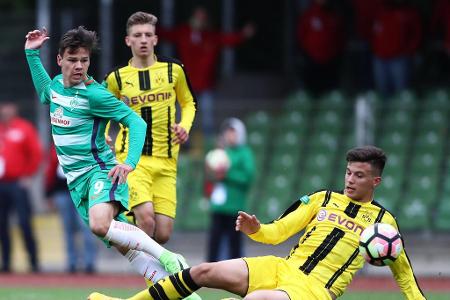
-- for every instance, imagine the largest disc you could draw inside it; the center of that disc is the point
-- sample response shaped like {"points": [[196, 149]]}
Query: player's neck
{"points": [[142, 62]]}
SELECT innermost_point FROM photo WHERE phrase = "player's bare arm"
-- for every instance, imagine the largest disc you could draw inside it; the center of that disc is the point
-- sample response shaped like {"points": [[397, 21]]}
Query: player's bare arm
{"points": [[120, 173], [181, 135], [246, 223], [36, 38]]}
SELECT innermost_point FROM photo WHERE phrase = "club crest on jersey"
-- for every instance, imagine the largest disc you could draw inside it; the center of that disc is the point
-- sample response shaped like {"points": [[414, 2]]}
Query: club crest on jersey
{"points": [[74, 102], [57, 117], [159, 78]]}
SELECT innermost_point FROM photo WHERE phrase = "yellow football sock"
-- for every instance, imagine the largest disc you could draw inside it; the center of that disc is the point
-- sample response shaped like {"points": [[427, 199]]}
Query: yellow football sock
{"points": [[142, 295], [148, 282]]}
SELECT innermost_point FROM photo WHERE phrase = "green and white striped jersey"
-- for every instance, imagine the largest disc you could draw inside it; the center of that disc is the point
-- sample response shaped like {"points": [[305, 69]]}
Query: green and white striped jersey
{"points": [[78, 116]]}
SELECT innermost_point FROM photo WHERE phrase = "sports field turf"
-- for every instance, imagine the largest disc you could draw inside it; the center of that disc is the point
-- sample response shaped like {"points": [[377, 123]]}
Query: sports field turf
{"points": [[79, 294]]}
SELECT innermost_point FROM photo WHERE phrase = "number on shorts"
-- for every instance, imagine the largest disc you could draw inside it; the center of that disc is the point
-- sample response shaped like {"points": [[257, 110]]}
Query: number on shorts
{"points": [[98, 186]]}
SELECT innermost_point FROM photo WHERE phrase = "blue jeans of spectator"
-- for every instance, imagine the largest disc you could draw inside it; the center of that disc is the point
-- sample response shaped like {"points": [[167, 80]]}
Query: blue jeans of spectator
{"points": [[13, 195], [391, 75], [73, 225], [223, 236]]}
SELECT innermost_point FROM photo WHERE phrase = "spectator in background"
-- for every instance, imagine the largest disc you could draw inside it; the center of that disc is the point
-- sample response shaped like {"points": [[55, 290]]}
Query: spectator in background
{"points": [[363, 18], [396, 36], [320, 34], [199, 46], [230, 189], [20, 157], [440, 26], [73, 225]]}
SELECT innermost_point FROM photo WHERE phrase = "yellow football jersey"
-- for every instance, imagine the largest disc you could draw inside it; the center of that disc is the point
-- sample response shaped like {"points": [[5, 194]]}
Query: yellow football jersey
{"points": [[152, 93], [329, 247]]}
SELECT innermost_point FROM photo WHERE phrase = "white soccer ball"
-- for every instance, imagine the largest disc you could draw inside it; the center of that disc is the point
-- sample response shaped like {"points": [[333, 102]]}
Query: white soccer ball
{"points": [[217, 160], [380, 244]]}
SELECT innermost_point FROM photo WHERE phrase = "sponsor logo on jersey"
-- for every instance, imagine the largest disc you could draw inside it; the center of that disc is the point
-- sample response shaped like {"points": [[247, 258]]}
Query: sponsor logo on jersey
{"points": [[57, 118], [323, 215], [146, 98]]}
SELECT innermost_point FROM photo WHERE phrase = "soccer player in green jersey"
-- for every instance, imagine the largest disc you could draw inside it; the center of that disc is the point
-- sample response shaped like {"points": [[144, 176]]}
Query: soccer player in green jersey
{"points": [[326, 257], [79, 111]]}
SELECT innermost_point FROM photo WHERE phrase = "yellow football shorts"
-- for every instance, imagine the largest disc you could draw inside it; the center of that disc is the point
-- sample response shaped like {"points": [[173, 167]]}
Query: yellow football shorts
{"points": [[274, 273], [154, 180]]}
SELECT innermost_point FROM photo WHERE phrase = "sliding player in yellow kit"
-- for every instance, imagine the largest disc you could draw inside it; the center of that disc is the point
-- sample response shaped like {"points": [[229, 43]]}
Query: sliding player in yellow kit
{"points": [[326, 257]]}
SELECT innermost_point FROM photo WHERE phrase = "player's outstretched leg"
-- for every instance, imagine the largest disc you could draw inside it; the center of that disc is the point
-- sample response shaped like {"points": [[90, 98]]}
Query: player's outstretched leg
{"points": [[131, 237], [176, 286]]}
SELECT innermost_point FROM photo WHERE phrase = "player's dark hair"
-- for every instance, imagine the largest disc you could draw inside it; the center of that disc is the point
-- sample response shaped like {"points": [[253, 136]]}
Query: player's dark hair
{"points": [[370, 154], [78, 38], [139, 18]]}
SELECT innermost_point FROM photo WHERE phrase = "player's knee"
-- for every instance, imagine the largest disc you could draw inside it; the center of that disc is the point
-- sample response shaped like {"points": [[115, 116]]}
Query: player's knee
{"points": [[147, 224], [99, 227], [162, 236], [202, 273]]}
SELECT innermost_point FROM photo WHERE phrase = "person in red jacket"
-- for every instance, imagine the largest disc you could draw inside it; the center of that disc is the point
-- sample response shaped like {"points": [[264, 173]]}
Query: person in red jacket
{"points": [[20, 157], [396, 36], [320, 34], [440, 29], [199, 47]]}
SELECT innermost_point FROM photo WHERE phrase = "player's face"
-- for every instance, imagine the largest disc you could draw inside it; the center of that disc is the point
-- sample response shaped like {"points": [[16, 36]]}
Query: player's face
{"points": [[360, 182], [74, 66], [141, 39]]}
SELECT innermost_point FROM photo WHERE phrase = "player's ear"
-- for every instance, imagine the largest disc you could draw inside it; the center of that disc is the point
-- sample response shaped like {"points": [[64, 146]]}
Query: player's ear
{"points": [[127, 41], [156, 41], [376, 181], [59, 59]]}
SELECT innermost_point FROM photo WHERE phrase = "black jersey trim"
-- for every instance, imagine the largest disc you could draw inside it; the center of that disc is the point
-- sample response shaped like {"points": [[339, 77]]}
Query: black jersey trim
{"points": [[144, 80], [169, 72], [169, 133], [177, 62], [146, 114], [352, 210], [118, 79], [124, 140], [342, 269], [327, 198], [322, 250]]}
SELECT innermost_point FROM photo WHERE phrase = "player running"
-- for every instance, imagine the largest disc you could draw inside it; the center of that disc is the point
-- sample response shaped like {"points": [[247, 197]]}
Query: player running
{"points": [[79, 111]]}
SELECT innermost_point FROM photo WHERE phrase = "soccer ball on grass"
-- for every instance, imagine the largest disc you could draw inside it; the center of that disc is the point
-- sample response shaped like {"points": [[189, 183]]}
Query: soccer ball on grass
{"points": [[380, 244]]}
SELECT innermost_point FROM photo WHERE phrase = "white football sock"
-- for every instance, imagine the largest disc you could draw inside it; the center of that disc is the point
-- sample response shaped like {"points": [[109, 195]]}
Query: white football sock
{"points": [[131, 237], [146, 265]]}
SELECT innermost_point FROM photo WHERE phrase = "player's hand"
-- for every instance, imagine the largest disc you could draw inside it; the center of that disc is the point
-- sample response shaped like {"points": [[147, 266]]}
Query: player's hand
{"points": [[120, 173], [36, 38], [181, 135], [246, 223], [110, 142]]}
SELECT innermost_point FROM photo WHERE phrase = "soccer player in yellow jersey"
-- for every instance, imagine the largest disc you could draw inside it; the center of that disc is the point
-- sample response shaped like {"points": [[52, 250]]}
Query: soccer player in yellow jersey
{"points": [[326, 257], [151, 85]]}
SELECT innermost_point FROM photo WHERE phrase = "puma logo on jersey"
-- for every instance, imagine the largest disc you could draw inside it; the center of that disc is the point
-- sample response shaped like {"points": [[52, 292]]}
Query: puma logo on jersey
{"points": [[129, 83]]}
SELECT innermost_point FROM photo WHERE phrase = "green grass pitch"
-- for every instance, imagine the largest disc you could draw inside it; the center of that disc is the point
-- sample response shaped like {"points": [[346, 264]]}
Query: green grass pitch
{"points": [[207, 294]]}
